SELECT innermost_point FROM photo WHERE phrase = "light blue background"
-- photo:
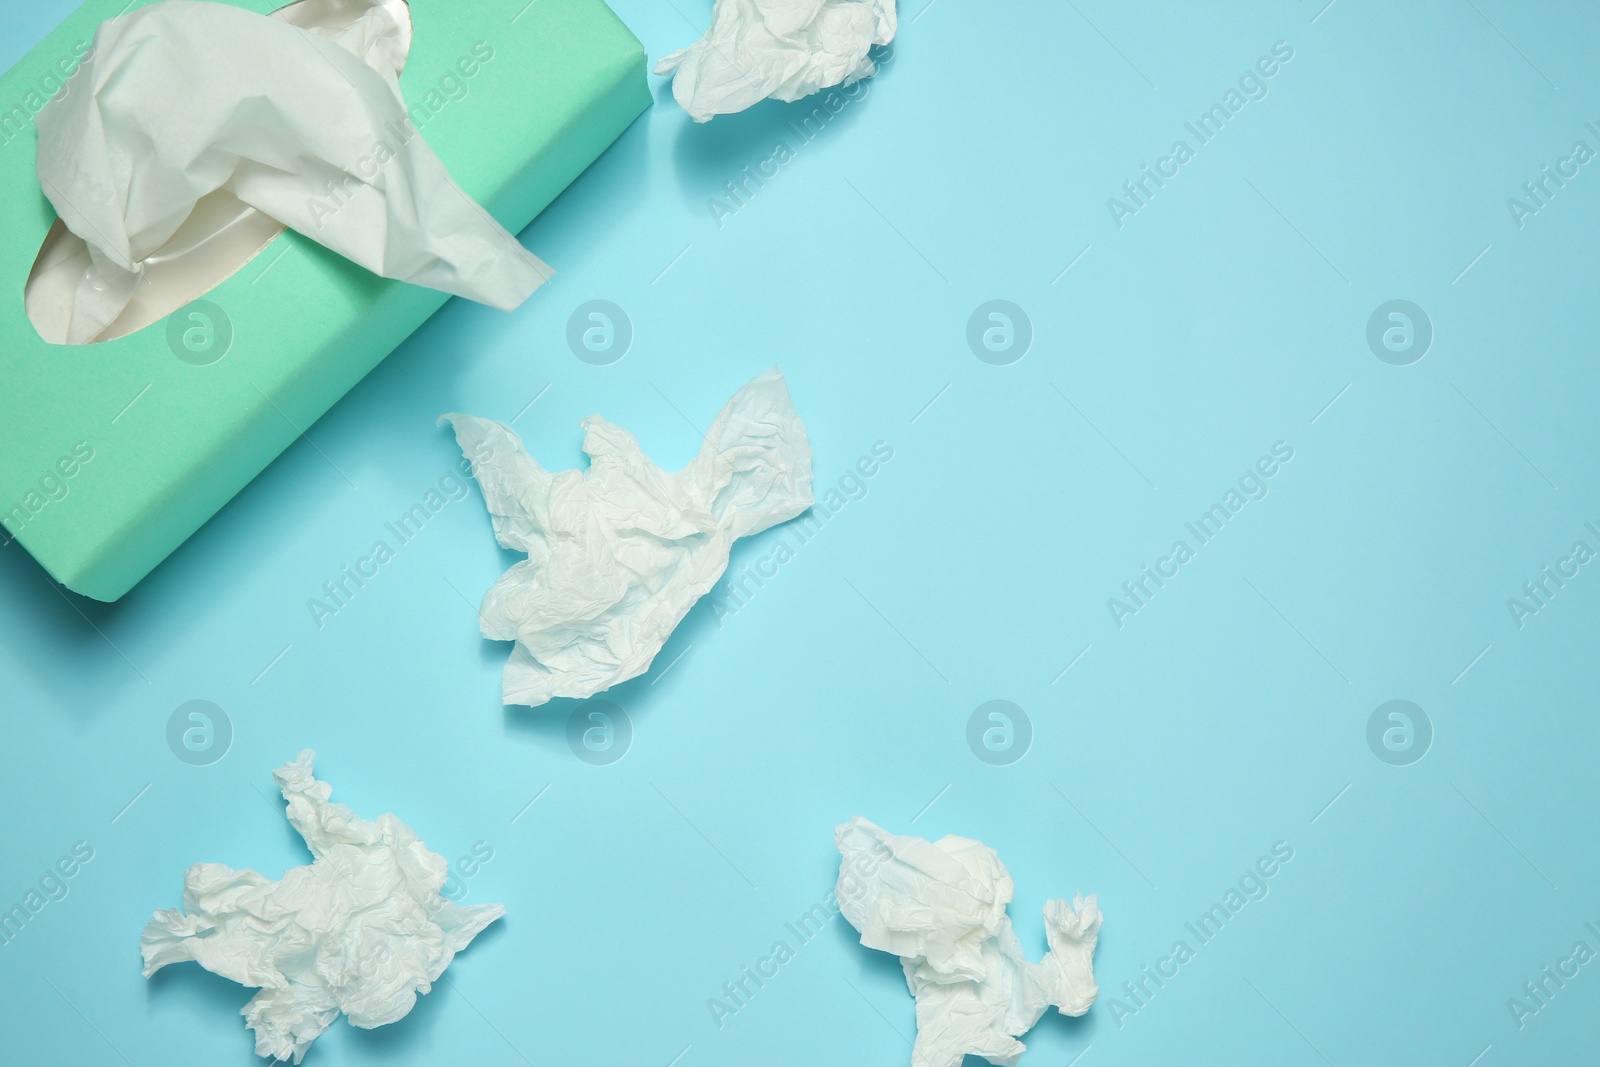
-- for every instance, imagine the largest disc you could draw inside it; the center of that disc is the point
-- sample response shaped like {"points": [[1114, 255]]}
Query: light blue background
{"points": [[1227, 315]]}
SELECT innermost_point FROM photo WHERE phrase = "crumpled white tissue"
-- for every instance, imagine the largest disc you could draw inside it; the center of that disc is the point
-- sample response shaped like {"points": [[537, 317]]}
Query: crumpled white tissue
{"points": [[941, 907], [783, 49], [362, 930], [181, 98], [619, 553]]}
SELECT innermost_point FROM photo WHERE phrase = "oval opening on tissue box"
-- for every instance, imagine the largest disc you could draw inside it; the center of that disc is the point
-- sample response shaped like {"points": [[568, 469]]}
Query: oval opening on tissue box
{"points": [[221, 235]]}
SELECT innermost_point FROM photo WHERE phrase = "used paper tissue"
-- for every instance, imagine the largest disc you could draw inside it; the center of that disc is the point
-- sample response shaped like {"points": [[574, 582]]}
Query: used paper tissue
{"points": [[783, 49], [184, 100], [941, 907], [619, 553], [361, 930]]}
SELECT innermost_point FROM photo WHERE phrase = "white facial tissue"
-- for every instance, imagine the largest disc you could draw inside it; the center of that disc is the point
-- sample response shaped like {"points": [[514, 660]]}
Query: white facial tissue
{"points": [[619, 553], [180, 100], [783, 49], [941, 907], [361, 930]]}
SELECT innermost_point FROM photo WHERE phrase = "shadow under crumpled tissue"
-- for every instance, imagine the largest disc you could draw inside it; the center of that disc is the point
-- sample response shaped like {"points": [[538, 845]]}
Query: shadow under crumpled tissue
{"points": [[64, 626], [711, 154], [199, 992]]}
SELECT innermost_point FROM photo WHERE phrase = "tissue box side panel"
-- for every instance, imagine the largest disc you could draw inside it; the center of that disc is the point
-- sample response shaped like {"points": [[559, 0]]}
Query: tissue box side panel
{"points": [[355, 320], [54, 404], [170, 440]]}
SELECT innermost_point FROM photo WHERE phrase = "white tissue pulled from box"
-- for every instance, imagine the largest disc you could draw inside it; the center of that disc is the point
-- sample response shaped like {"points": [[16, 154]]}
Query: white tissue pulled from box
{"points": [[783, 49], [361, 930], [181, 99], [619, 553], [941, 907]]}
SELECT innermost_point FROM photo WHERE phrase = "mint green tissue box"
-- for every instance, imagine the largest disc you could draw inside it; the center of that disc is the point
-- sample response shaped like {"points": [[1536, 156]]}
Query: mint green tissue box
{"points": [[112, 454]]}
